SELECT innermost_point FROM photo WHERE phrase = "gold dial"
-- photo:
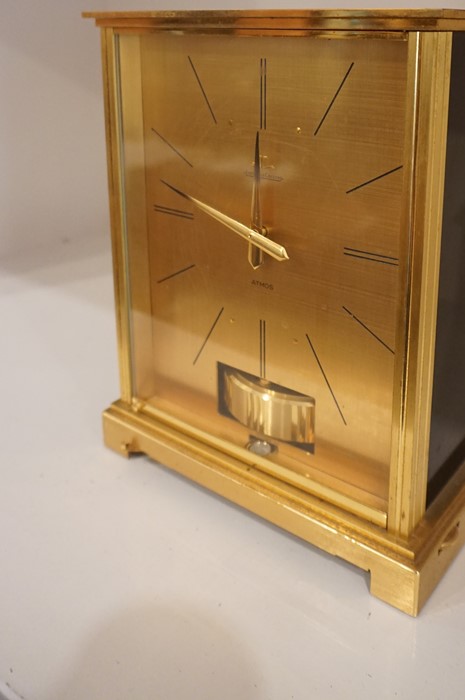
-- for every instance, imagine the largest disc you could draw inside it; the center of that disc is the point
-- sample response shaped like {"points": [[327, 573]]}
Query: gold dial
{"points": [[265, 278]]}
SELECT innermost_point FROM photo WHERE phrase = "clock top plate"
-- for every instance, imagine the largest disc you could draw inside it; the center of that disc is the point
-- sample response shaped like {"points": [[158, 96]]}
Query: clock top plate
{"points": [[288, 20]]}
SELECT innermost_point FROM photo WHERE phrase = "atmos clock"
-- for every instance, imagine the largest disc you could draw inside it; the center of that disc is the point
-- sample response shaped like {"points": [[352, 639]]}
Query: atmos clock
{"points": [[288, 230]]}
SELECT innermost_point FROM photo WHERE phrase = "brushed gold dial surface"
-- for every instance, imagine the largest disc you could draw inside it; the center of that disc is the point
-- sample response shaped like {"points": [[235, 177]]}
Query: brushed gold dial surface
{"points": [[324, 183]]}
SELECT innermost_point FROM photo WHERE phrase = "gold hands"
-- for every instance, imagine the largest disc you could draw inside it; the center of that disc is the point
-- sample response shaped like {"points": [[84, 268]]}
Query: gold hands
{"points": [[277, 251], [255, 254]]}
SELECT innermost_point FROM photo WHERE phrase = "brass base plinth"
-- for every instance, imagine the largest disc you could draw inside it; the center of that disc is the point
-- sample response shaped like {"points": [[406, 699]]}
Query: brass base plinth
{"points": [[403, 572]]}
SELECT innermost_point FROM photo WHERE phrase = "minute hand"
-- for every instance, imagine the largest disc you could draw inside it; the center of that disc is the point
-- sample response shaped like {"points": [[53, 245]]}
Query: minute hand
{"points": [[268, 246]]}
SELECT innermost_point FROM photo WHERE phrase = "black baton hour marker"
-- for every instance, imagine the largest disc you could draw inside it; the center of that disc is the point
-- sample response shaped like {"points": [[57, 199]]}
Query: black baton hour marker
{"points": [[202, 89], [175, 150], [370, 256], [368, 329], [173, 212], [263, 93], [328, 109], [374, 179], [175, 274], [262, 349], [212, 328], [326, 379]]}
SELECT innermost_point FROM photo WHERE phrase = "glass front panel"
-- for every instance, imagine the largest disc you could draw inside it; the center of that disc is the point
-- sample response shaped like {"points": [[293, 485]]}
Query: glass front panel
{"points": [[264, 182]]}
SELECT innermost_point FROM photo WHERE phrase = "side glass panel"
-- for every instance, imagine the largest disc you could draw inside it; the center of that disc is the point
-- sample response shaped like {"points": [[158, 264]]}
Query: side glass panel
{"points": [[447, 439]]}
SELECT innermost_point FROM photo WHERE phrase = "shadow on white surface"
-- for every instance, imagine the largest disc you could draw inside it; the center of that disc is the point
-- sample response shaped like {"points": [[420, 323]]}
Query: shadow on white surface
{"points": [[7, 692], [168, 650], [67, 265], [40, 257]]}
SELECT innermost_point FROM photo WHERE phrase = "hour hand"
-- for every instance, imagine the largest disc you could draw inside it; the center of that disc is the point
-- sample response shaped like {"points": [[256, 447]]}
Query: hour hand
{"points": [[255, 254], [277, 251]]}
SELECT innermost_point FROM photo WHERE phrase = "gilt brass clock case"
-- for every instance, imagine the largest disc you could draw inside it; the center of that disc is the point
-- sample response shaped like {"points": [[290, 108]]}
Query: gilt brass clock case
{"points": [[287, 244]]}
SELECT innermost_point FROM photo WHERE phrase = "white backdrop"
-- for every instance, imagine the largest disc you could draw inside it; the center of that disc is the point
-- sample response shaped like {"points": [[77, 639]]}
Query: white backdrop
{"points": [[52, 174]]}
